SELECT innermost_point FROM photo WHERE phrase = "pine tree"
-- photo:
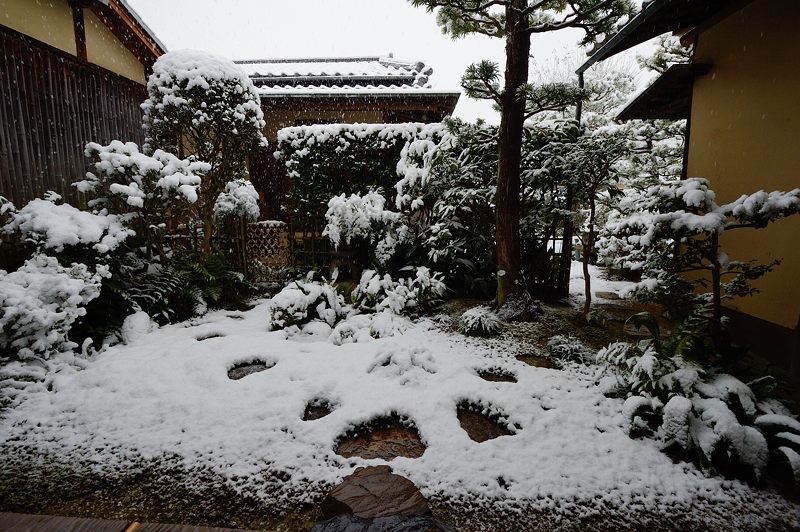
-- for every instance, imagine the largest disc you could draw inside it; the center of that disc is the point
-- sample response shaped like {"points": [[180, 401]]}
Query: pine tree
{"points": [[515, 21]]}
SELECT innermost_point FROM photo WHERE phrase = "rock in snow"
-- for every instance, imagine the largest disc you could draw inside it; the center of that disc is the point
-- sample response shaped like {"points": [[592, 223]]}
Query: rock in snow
{"points": [[375, 492]]}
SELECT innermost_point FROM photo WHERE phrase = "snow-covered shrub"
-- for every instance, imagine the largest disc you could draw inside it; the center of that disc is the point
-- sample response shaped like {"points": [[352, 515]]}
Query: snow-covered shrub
{"points": [[53, 226], [366, 327], [480, 321], [409, 365], [209, 106], [569, 348], [125, 180], [303, 301], [710, 418], [239, 200], [141, 189], [364, 220], [376, 292], [676, 227], [40, 302]]}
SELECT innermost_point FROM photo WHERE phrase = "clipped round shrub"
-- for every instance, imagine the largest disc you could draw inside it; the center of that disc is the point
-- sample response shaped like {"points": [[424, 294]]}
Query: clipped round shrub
{"points": [[480, 321]]}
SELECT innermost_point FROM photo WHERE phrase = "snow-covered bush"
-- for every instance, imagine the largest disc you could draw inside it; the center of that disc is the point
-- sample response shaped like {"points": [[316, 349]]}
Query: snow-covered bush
{"points": [[364, 220], [707, 417], [40, 302], [239, 200], [141, 188], [206, 105], [125, 180], [676, 228], [480, 321], [569, 348], [53, 226], [303, 301], [376, 292], [366, 327]]}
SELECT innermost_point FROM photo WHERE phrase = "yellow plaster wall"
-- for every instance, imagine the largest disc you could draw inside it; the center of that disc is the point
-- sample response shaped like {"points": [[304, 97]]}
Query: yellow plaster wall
{"points": [[49, 21], [104, 49], [280, 119], [745, 137]]}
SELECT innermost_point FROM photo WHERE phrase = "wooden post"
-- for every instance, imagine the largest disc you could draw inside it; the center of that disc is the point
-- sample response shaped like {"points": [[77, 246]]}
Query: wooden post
{"points": [[79, 25]]}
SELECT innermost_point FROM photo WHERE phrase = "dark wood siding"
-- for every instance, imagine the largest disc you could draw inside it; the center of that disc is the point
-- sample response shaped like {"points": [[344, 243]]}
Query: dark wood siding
{"points": [[51, 105]]}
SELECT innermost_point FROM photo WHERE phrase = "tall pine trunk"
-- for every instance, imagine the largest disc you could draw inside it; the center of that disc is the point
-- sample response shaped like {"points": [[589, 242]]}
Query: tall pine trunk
{"points": [[518, 44]]}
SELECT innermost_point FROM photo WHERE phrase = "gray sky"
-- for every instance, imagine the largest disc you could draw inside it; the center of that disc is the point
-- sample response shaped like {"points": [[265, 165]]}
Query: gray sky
{"points": [[256, 29]]}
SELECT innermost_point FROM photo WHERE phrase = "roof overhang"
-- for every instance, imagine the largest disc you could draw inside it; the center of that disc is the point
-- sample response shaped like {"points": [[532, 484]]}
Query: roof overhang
{"points": [[662, 16], [128, 26], [439, 103], [669, 97]]}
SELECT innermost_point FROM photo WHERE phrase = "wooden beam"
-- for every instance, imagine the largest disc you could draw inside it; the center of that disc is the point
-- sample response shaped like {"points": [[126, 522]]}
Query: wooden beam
{"points": [[80, 32]]}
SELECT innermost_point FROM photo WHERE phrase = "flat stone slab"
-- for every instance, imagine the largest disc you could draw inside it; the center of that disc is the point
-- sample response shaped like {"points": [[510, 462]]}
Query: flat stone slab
{"points": [[240, 371], [493, 375], [480, 427], [316, 411], [350, 523], [608, 295], [538, 361], [383, 438], [374, 492]]}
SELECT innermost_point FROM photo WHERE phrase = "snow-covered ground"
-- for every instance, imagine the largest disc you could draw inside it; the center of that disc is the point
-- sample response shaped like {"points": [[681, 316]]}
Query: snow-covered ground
{"points": [[600, 283], [167, 393]]}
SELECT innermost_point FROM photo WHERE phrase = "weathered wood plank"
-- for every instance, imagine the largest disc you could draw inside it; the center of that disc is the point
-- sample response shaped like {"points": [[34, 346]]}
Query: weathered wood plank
{"points": [[11, 522]]}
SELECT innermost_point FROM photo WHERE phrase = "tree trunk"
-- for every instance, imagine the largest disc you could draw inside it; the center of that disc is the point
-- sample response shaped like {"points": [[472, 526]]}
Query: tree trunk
{"points": [[716, 287], [512, 118], [588, 245]]}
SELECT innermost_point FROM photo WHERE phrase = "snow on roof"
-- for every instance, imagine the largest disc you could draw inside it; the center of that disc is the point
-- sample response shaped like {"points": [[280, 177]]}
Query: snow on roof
{"points": [[340, 75]]}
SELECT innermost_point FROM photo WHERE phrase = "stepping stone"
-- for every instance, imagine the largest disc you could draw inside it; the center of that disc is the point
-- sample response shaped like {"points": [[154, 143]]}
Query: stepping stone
{"points": [[374, 492], [478, 426], [316, 410], [495, 375], [538, 361], [242, 370], [350, 523], [608, 295], [209, 336], [385, 438]]}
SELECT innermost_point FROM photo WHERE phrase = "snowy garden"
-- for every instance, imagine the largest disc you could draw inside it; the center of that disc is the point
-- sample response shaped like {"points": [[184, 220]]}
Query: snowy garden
{"points": [[139, 348]]}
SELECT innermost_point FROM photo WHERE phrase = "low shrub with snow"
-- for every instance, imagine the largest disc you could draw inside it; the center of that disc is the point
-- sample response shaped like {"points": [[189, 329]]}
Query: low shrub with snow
{"points": [[40, 302], [53, 226], [712, 419], [366, 327], [304, 301], [376, 292], [569, 348], [480, 321]]}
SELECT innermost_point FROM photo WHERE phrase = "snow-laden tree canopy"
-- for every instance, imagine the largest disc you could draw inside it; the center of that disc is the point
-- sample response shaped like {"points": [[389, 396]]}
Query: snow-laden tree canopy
{"points": [[240, 200], [190, 89], [121, 171]]}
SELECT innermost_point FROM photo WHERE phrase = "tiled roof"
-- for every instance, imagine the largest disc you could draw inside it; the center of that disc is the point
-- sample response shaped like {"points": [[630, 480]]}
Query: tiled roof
{"points": [[338, 75]]}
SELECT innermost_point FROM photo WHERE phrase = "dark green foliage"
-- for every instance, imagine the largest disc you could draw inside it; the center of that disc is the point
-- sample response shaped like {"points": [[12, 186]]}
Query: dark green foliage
{"points": [[326, 161]]}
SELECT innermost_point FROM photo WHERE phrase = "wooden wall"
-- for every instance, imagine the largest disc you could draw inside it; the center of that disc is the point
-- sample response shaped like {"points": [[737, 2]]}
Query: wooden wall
{"points": [[51, 105]]}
